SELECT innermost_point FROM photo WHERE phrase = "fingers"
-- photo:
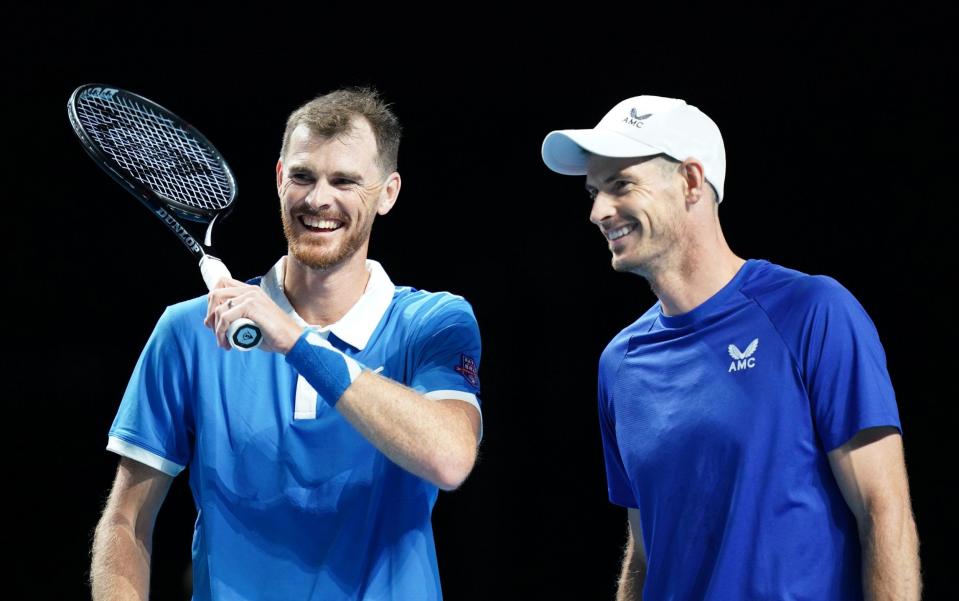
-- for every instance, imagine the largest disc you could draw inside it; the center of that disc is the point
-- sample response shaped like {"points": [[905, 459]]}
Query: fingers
{"points": [[231, 283], [226, 314], [225, 289], [225, 304]]}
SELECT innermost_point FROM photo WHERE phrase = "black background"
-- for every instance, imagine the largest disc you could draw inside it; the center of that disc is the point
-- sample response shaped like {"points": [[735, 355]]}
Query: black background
{"points": [[838, 131]]}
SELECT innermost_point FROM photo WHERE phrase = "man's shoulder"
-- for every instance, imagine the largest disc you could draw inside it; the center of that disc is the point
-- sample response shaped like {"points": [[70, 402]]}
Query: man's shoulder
{"points": [[775, 286], [187, 310], [796, 303], [179, 330], [425, 312], [183, 318], [415, 303], [620, 342]]}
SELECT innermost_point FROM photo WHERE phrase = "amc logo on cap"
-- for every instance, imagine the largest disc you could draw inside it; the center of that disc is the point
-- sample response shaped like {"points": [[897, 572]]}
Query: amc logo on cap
{"points": [[634, 119]]}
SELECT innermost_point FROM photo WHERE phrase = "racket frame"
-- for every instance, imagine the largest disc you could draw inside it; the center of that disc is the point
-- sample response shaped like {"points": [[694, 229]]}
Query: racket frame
{"points": [[164, 208], [243, 333]]}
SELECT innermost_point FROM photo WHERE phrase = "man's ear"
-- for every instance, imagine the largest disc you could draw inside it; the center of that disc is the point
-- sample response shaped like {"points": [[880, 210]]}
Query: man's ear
{"points": [[694, 174], [391, 190]]}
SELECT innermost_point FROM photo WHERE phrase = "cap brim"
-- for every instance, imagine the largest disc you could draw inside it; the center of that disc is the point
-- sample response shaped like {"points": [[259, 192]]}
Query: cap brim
{"points": [[566, 151]]}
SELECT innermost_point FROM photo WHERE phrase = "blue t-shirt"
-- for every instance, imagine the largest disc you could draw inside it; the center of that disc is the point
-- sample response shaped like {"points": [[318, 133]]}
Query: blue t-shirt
{"points": [[292, 502], [716, 424]]}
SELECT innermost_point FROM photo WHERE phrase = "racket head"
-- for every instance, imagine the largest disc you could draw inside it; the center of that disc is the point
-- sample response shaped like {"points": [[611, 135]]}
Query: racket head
{"points": [[157, 156]]}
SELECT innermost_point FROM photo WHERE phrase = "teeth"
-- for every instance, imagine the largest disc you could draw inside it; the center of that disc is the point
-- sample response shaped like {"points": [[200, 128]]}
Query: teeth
{"points": [[324, 224], [617, 234]]}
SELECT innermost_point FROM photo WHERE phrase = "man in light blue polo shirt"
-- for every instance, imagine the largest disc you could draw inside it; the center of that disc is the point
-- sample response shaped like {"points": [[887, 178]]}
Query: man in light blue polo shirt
{"points": [[748, 420], [314, 461]]}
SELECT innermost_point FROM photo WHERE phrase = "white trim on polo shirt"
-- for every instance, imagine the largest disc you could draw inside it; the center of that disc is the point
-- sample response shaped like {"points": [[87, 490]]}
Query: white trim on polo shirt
{"points": [[132, 451], [459, 395], [357, 326]]}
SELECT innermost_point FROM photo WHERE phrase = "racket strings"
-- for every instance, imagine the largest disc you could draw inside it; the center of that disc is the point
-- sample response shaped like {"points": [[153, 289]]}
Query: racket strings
{"points": [[157, 152]]}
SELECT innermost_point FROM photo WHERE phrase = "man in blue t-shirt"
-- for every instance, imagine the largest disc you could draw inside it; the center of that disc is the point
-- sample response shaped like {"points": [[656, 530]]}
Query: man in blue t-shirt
{"points": [[315, 460], [748, 420]]}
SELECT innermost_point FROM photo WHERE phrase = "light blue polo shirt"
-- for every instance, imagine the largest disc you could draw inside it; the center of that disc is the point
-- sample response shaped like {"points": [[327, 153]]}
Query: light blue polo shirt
{"points": [[292, 502]]}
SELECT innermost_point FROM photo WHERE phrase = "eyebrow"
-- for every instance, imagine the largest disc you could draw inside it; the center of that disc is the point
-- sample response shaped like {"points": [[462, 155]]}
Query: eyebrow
{"points": [[351, 175], [356, 177], [617, 175]]}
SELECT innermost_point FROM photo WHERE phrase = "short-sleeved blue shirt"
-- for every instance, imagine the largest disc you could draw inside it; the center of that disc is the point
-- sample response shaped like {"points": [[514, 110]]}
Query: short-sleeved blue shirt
{"points": [[292, 502], [716, 424]]}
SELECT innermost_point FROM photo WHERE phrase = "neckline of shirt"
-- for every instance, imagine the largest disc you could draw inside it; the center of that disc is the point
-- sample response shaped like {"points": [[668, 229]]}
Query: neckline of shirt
{"points": [[710, 304], [358, 324]]}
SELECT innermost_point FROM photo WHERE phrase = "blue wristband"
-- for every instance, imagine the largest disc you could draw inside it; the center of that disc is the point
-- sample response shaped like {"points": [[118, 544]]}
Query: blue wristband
{"points": [[328, 371]]}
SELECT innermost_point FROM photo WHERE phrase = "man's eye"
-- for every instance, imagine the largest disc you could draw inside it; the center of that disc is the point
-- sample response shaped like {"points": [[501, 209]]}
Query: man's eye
{"points": [[300, 178], [620, 185], [592, 193], [342, 181]]}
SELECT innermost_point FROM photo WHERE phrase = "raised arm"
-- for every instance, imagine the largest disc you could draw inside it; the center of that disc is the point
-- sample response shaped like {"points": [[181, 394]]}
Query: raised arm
{"points": [[434, 437], [120, 564], [871, 472]]}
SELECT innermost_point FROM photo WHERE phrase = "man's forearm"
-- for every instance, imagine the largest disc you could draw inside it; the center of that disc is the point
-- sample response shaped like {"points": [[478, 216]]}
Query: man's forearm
{"points": [[890, 555], [632, 577], [435, 440], [431, 439], [120, 563]]}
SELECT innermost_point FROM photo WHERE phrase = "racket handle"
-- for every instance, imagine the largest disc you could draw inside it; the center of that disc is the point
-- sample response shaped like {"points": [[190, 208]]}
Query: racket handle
{"points": [[243, 334]]}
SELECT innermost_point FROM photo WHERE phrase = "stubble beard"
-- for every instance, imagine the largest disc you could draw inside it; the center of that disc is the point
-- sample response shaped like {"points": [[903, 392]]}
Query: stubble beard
{"points": [[323, 256], [653, 256]]}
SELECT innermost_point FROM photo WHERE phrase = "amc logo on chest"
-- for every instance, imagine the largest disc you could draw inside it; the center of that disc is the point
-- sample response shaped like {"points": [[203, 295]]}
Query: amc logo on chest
{"points": [[743, 359]]}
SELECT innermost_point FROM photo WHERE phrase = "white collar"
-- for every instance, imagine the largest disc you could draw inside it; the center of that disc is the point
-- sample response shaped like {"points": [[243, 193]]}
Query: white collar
{"points": [[354, 328]]}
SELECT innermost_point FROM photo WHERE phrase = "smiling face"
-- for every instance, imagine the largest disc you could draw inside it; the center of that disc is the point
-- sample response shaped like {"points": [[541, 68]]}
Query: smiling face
{"points": [[639, 207], [331, 189]]}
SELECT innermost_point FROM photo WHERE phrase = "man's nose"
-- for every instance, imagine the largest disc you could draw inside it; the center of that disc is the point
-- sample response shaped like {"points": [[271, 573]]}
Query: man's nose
{"points": [[321, 196], [603, 208]]}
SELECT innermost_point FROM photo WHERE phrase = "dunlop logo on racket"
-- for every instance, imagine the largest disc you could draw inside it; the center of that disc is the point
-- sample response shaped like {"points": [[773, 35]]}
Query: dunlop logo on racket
{"points": [[178, 229]]}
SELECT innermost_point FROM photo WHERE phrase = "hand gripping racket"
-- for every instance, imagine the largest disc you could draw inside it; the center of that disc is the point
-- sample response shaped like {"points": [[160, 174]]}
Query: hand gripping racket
{"points": [[168, 166]]}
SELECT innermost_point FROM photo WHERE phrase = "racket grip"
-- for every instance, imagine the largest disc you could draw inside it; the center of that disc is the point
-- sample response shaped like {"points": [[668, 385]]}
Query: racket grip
{"points": [[243, 334]]}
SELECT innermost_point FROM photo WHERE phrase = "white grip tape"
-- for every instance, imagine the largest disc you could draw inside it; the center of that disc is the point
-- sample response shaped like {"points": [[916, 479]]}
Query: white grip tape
{"points": [[213, 270]]}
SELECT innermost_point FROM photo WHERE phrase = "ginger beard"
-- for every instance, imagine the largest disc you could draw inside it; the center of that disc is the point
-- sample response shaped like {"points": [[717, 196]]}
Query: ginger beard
{"points": [[321, 252], [330, 190]]}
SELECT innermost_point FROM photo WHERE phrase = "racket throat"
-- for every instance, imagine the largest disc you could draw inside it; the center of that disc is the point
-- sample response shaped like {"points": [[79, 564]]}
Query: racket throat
{"points": [[208, 236]]}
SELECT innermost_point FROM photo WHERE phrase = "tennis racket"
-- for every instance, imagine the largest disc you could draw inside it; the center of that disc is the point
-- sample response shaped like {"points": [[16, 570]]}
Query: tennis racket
{"points": [[168, 166]]}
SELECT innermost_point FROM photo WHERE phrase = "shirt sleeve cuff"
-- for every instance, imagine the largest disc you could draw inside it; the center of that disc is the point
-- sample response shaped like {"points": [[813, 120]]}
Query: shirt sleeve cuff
{"points": [[131, 451], [458, 395]]}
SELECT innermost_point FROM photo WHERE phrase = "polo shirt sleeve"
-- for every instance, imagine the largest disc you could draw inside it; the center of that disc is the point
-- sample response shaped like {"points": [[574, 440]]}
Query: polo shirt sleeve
{"points": [[446, 353], [152, 425], [844, 366], [619, 488]]}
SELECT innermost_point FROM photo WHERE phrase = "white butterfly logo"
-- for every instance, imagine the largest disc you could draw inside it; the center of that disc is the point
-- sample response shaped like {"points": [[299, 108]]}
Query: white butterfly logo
{"points": [[735, 353]]}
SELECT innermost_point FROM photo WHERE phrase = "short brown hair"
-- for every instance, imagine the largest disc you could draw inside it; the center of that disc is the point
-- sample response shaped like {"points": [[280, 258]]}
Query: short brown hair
{"points": [[332, 114]]}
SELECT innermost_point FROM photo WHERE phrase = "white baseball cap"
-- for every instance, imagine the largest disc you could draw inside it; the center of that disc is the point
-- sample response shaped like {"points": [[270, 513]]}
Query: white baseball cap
{"points": [[638, 127]]}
